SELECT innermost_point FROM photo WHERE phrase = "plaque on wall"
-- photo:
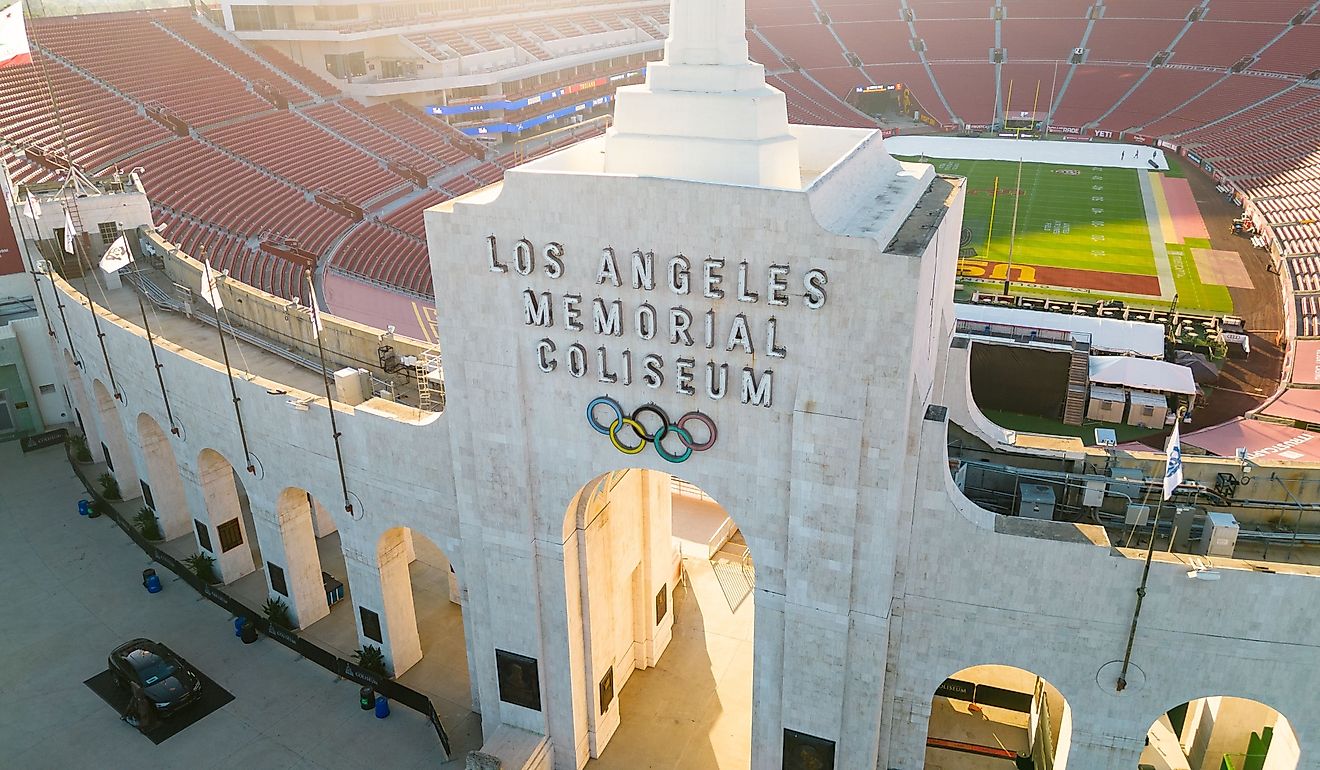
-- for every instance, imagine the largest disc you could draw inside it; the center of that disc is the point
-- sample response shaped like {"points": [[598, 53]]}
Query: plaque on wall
{"points": [[277, 582], [203, 536], [231, 535], [370, 624], [520, 681], [807, 752], [661, 603], [607, 690]]}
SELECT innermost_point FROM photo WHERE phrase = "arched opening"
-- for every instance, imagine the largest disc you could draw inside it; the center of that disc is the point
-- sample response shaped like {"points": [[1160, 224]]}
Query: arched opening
{"points": [[162, 491], [303, 571], [997, 718], [417, 619], [115, 449], [1221, 733], [665, 584], [227, 535], [76, 394]]}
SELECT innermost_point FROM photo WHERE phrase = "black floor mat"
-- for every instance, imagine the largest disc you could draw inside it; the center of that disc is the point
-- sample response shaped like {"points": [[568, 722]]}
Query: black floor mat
{"points": [[213, 697]]}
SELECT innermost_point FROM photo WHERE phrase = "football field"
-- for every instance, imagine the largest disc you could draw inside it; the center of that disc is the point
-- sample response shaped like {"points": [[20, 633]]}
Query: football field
{"points": [[1074, 232]]}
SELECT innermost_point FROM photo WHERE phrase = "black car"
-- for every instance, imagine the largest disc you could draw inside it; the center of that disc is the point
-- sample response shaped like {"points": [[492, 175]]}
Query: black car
{"points": [[166, 679]]}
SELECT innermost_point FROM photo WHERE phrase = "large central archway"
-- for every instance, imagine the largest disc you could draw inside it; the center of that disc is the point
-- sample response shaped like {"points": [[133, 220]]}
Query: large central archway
{"points": [[664, 581], [995, 717]]}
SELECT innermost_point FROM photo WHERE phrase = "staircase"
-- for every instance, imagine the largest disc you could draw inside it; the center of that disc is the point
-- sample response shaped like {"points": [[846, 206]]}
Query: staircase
{"points": [[1079, 380]]}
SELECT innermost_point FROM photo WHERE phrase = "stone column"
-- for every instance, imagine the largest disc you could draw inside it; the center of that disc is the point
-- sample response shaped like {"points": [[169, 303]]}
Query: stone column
{"points": [[213, 498], [287, 541], [382, 585]]}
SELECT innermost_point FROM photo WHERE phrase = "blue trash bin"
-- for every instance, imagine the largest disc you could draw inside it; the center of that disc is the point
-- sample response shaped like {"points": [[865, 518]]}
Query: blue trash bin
{"points": [[238, 625], [382, 707], [151, 581], [84, 507]]}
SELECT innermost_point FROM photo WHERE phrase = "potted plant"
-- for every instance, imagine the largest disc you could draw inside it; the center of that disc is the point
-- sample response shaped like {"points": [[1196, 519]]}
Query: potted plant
{"points": [[78, 444], [147, 524], [370, 658], [109, 487], [203, 566], [277, 612]]}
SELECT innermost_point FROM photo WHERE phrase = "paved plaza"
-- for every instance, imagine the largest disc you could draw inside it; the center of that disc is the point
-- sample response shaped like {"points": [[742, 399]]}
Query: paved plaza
{"points": [[72, 592]]}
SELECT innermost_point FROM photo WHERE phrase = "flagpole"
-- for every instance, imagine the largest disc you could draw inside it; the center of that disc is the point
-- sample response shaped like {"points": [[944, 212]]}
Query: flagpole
{"points": [[27, 258], [1121, 684], [82, 258], [325, 378], [213, 290], [155, 359]]}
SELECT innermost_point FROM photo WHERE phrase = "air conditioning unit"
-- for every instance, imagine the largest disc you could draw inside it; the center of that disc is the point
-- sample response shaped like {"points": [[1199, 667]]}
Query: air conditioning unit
{"points": [[1219, 534]]}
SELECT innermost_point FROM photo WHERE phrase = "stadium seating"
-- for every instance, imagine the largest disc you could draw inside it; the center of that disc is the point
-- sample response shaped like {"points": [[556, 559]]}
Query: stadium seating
{"points": [[296, 149], [99, 126], [112, 48], [295, 71], [248, 172]]}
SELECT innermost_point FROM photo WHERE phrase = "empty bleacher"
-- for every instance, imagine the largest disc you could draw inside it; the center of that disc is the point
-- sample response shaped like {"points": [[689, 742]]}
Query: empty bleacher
{"points": [[295, 71], [132, 54], [296, 149], [99, 126]]}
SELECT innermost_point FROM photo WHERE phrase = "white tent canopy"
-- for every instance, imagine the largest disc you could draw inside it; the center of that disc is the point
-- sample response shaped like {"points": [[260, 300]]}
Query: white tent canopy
{"points": [[1142, 373], [1107, 334]]}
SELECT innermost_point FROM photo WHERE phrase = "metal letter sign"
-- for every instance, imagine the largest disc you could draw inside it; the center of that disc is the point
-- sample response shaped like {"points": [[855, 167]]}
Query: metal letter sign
{"points": [[656, 438]]}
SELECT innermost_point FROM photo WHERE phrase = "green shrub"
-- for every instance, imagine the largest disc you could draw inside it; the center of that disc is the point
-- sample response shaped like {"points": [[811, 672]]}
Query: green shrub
{"points": [[277, 612], [109, 487], [203, 566], [371, 659], [147, 524], [79, 446]]}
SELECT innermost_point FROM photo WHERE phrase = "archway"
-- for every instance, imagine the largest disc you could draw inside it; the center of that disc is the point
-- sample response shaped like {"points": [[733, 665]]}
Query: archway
{"points": [[115, 449], [997, 718], [163, 490], [1221, 733], [418, 621], [665, 583], [75, 393], [227, 533]]}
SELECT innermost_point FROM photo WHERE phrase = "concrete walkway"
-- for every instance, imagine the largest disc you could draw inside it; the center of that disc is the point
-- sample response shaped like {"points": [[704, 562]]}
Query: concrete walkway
{"points": [[693, 711], [72, 593]]}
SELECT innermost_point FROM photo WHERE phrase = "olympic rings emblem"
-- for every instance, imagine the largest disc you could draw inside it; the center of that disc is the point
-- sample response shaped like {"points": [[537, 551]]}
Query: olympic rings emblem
{"points": [[636, 423]]}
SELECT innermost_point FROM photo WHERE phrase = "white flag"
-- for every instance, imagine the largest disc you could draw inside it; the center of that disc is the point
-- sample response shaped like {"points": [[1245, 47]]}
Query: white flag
{"points": [[116, 256], [68, 233], [13, 37], [32, 209], [1173, 466], [316, 311], [211, 286]]}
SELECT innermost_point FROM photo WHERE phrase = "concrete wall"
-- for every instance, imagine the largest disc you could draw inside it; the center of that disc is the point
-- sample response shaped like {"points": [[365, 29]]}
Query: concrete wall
{"points": [[876, 579]]}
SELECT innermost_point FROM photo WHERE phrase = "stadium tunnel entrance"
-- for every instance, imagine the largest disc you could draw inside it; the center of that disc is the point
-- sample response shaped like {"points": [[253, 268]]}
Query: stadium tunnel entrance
{"points": [[993, 717], [1221, 733], [665, 582]]}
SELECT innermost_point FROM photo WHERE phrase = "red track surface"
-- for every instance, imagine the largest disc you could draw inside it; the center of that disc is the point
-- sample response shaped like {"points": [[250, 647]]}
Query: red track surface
{"points": [[1187, 221], [1064, 277]]}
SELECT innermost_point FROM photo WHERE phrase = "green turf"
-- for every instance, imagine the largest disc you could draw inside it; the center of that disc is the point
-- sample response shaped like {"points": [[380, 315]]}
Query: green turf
{"points": [[1027, 423], [1192, 294], [1176, 169], [1081, 217]]}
